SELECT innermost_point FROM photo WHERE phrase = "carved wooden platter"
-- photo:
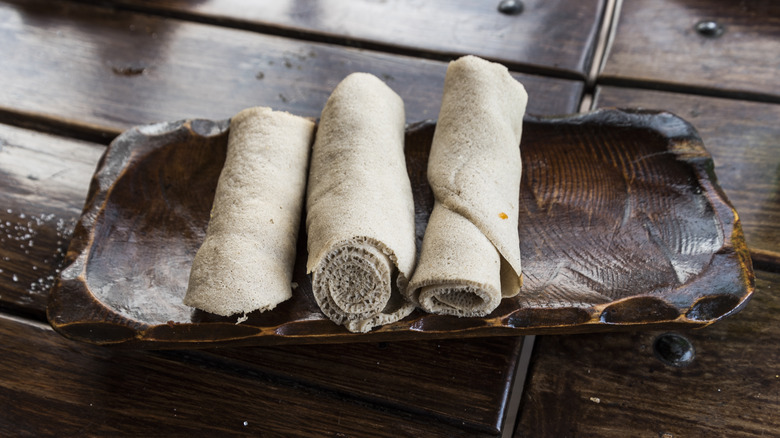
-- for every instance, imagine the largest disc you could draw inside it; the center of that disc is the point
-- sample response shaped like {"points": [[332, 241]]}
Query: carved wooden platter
{"points": [[622, 226]]}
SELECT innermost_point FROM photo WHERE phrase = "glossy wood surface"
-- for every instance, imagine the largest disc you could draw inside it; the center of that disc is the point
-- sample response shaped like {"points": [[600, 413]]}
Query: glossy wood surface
{"points": [[459, 387], [44, 180], [657, 44], [743, 138], [557, 37], [466, 383], [614, 385], [90, 70], [50, 386], [616, 233], [96, 69]]}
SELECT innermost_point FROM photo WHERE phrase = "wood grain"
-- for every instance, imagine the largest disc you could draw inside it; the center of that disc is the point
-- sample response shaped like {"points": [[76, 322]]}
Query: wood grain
{"points": [[466, 383], [53, 387], [556, 37], [617, 233], [612, 385], [83, 69], [43, 181], [742, 137], [97, 69], [656, 44]]}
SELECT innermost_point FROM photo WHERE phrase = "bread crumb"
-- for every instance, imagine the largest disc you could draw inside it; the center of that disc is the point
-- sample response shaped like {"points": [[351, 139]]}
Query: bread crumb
{"points": [[595, 400]]}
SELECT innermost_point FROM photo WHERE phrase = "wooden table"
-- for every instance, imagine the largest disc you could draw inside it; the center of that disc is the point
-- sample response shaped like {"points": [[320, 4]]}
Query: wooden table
{"points": [[76, 74]]}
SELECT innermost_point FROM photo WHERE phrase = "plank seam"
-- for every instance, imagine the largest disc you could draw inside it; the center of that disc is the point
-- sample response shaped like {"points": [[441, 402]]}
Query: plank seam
{"points": [[687, 89], [600, 52]]}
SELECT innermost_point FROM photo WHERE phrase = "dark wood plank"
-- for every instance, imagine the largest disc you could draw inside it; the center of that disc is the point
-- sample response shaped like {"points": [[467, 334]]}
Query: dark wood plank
{"points": [[466, 383], [53, 387], [546, 36], [657, 43], [98, 69], [743, 140], [43, 186], [613, 385]]}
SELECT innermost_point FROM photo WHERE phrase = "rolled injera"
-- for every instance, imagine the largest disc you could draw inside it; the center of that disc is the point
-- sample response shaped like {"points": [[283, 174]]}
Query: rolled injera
{"points": [[359, 207], [470, 256], [245, 262]]}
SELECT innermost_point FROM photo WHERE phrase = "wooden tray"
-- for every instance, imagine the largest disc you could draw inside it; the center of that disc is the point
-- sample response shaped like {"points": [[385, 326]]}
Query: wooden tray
{"points": [[622, 225]]}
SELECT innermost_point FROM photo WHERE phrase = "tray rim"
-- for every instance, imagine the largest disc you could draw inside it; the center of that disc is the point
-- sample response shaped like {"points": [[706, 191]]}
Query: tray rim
{"points": [[118, 330]]}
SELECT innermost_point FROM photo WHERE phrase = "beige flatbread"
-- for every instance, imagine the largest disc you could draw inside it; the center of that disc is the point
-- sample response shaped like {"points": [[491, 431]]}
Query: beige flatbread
{"points": [[470, 255], [359, 206], [245, 262]]}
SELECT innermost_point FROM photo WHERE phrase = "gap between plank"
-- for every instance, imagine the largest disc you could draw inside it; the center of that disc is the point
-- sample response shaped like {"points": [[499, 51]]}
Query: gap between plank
{"points": [[604, 43], [600, 52], [516, 394], [57, 126], [764, 260], [20, 319]]}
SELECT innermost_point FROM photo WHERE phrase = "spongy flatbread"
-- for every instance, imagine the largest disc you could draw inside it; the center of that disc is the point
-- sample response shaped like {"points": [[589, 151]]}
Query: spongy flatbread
{"points": [[458, 247], [360, 209], [474, 170], [245, 262]]}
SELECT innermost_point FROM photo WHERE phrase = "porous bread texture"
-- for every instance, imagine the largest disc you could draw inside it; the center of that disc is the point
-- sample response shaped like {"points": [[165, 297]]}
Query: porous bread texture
{"points": [[245, 262], [459, 269], [359, 196], [474, 170], [353, 286], [354, 277]]}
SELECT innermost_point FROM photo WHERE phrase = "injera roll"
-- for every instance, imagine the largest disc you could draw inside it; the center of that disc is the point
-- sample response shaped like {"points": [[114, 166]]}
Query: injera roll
{"points": [[470, 256], [359, 207], [245, 262]]}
